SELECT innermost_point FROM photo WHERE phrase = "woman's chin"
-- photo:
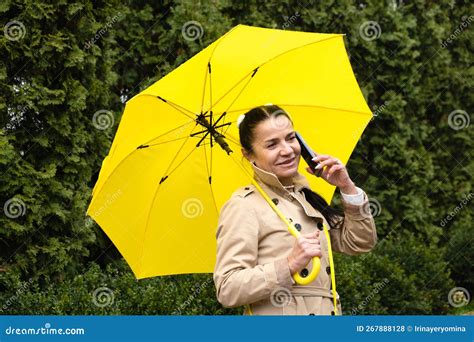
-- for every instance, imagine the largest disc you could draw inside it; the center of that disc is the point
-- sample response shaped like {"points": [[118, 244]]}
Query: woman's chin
{"points": [[287, 173]]}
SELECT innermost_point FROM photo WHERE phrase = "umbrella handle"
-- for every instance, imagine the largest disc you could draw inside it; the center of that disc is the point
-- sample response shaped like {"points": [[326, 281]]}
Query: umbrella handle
{"points": [[305, 279], [299, 279]]}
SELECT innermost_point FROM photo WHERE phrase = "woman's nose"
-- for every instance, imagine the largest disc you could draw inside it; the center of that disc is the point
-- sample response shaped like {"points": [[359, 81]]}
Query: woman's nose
{"points": [[286, 149]]}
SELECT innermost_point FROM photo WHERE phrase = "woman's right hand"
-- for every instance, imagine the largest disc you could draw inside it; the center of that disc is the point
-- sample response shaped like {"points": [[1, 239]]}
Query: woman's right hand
{"points": [[306, 247]]}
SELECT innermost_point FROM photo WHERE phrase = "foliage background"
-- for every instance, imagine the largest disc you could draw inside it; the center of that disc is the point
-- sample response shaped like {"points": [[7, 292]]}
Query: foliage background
{"points": [[414, 160]]}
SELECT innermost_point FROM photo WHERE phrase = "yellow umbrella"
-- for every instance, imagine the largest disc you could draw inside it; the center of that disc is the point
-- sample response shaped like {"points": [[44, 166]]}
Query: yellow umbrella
{"points": [[176, 156]]}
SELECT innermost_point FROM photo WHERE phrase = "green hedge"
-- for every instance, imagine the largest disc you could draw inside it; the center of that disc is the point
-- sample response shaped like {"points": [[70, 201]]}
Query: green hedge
{"points": [[72, 60]]}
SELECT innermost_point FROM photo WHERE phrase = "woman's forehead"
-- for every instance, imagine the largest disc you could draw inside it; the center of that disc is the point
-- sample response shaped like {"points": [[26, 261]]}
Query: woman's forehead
{"points": [[274, 127]]}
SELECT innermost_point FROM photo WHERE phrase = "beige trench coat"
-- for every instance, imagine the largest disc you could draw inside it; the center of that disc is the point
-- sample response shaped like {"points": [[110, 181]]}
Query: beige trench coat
{"points": [[253, 244]]}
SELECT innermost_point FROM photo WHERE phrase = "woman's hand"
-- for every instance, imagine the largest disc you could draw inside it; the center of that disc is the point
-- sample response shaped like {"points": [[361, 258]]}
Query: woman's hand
{"points": [[306, 247], [335, 173]]}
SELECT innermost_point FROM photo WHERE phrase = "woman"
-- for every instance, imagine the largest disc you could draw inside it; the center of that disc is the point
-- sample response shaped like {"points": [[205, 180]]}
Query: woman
{"points": [[256, 254]]}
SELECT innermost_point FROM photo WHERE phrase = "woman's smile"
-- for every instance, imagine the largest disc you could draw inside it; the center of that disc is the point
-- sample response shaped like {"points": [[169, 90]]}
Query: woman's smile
{"points": [[288, 162]]}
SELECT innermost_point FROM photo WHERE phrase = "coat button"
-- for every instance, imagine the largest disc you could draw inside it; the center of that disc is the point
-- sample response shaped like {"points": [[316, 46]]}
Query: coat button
{"points": [[298, 227], [319, 225], [304, 272], [332, 313], [328, 270], [275, 200]]}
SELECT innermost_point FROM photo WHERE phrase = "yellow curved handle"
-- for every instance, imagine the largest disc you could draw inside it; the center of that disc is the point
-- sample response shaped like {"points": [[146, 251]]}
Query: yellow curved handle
{"points": [[311, 276], [307, 279], [291, 228], [299, 279]]}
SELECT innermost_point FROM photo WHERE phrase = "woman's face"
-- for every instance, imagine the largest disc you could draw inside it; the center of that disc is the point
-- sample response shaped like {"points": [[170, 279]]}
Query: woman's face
{"points": [[275, 148]]}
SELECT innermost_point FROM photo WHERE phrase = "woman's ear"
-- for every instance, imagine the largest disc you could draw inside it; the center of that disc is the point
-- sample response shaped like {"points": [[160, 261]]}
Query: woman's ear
{"points": [[247, 154]]}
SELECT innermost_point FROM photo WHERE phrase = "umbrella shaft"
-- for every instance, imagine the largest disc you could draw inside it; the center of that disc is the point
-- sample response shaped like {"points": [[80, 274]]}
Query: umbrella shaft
{"points": [[218, 137]]}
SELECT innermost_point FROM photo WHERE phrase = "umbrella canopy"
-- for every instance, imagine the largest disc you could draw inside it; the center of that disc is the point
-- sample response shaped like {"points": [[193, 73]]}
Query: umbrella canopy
{"points": [[175, 157]]}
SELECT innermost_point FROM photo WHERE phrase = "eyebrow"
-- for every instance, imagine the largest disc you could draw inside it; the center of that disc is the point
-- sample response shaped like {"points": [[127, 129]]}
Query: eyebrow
{"points": [[276, 139]]}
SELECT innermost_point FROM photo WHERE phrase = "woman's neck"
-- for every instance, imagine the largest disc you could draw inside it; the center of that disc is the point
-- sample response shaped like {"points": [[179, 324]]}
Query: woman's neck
{"points": [[286, 181]]}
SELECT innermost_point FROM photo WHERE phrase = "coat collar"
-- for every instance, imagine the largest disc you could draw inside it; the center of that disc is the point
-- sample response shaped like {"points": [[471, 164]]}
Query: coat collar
{"points": [[300, 182], [271, 180]]}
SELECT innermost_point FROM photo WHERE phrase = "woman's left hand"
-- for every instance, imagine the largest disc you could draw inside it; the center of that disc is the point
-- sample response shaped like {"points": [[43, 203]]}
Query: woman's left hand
{"points": [[334, 172]]}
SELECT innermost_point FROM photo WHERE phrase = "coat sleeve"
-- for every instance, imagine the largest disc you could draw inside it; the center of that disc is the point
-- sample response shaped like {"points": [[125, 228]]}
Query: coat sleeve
{"points": [[239, 280], [357, 233]]}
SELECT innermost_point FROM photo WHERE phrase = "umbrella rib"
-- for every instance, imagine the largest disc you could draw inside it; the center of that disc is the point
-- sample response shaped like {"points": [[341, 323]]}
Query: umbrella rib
{"points": [[234, 86], [210, 98], [179, 108], [176, 156], [209, 173], [161, 143], [207, 165], [231, 137], [181, 162], [303, 105], [224, 130], [156, 193], [168, 132], [140, 147], [252, 73], [204, 88], [241, 91], [208, 66], [223, 115]]}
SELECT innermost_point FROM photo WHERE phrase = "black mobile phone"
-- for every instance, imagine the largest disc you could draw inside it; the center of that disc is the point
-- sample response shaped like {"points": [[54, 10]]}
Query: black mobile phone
{"points": [[308, 155]]}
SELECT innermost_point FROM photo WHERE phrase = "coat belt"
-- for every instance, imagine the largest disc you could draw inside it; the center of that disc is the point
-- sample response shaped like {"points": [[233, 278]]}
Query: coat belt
{"points": [[312, 291]]}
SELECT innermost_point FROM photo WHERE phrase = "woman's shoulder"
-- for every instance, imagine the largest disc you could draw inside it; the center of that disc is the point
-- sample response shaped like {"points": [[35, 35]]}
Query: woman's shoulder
{"points": [[244, 191], [242, 198]]}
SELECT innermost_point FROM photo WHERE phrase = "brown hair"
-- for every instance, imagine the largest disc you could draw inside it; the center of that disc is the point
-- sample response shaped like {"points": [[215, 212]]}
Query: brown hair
{"points": [[251, 120]]}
